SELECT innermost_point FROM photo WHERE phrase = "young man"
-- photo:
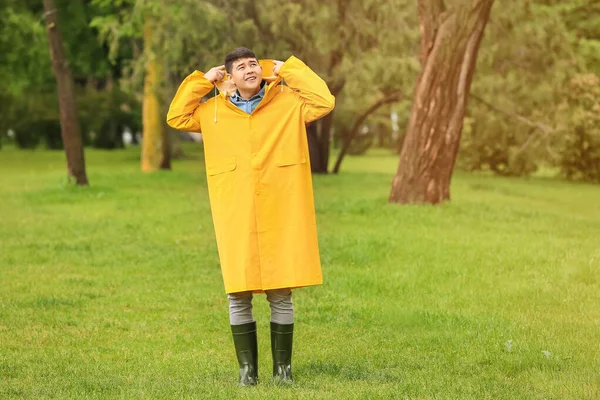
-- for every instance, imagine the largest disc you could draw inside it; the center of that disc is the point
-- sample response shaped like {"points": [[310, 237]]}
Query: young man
{"points": [[260, 188]]}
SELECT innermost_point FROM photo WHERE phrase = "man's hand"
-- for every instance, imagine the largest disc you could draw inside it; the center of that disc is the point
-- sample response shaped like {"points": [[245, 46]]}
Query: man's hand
{"points": [[215, 74], [277, 67]]}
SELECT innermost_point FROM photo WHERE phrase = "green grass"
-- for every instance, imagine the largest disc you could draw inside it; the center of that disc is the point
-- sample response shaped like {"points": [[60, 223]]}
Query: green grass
{"points": [[114, 291]]}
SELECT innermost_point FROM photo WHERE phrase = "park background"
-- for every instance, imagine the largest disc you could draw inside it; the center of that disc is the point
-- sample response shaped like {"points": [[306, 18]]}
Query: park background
{"points": [[456, 189]]}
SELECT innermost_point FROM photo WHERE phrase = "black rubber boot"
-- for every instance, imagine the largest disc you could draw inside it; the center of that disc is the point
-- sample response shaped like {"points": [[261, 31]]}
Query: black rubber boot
{"points": [[246, 349], [281, 346]]}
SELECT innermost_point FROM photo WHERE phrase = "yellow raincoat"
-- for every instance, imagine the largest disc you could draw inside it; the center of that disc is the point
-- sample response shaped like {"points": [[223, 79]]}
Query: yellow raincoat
{"points": [[258, 175]]}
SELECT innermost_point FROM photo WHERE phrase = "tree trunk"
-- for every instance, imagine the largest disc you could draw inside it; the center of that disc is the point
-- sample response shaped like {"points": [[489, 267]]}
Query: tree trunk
{"points": [[317, 164], [326, 124], [319, 134], [449, 46], [155, 144], [69, 123], [176, 150]]}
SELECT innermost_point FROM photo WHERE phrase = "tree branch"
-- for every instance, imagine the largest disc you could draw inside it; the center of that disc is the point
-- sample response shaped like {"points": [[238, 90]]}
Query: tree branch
{"points": [[390, 97], [543, 127]]}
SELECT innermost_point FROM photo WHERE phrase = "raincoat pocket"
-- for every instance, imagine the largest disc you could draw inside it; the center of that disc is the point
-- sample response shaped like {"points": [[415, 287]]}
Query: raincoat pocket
{"points": [[220, 166], [287, 161]]}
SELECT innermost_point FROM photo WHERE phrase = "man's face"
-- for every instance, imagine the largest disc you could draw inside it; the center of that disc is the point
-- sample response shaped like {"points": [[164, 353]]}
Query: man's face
{"points": [[246, 74]]}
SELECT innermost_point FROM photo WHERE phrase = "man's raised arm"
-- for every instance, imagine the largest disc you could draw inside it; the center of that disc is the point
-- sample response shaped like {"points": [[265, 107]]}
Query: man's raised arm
{"points": [[312, 90], [187, 100]]}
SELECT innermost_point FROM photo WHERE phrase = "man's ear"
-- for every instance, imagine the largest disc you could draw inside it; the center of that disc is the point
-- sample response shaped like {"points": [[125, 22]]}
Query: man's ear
{"points": [[230, 78]]}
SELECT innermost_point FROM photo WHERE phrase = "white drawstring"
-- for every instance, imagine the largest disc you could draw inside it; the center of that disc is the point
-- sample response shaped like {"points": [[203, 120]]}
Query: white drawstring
{"points": [[216, 99]]}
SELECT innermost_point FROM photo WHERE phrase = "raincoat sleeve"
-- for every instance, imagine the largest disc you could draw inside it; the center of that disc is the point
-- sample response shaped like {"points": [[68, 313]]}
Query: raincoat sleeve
{"points": [[182, 113], [312, 90]]}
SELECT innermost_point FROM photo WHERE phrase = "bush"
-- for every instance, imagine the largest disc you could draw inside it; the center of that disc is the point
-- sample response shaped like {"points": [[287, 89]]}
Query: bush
{"points": [[49, 130], [29, 134], [489, 143], [580, 153], [103, 117], [35, 117], [26, 138]]}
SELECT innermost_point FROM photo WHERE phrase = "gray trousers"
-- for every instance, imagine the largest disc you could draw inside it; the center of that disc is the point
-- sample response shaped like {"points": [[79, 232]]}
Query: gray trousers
{"points": [[280, 301]]}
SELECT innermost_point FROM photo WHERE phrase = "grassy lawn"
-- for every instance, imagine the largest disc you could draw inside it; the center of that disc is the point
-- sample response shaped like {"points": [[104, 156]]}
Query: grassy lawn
{"points": [[115, 291]]}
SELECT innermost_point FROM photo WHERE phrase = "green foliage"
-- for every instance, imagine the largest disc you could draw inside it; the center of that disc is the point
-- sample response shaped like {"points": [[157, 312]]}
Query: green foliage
{"points": [[105, 114], [24, 48], [582, 18], [531, 51], [114, 290], [580, 155], [183, 45], [34, 118], [27, 138], [491, 143], [87, 56], [24, 45], [102, 114], [48, 130], [29, 103]]}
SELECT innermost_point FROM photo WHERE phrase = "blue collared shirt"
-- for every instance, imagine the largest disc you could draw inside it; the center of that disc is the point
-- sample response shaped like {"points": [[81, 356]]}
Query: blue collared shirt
{"points": [[248, 105]]}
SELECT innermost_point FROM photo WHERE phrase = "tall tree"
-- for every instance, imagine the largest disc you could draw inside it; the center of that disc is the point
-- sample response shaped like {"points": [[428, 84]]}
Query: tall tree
{"points": [[449, 45], [70, 129], [169, 35], [155, 146]]}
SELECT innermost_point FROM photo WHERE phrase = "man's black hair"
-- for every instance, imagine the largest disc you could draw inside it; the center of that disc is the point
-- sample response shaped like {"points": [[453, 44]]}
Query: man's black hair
{"points": [[237, 54]]}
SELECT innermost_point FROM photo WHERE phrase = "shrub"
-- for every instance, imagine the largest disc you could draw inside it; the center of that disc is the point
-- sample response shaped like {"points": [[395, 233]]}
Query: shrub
{"points": [[580, 152]]}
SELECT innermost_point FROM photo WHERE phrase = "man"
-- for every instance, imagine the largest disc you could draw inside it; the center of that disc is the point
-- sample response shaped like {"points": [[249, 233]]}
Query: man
{"points": [[260, 188]]}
